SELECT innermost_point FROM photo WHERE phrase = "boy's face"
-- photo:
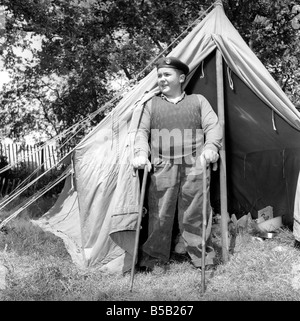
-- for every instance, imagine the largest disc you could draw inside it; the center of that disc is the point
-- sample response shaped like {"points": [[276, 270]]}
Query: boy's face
{"points": [[169, 80]]}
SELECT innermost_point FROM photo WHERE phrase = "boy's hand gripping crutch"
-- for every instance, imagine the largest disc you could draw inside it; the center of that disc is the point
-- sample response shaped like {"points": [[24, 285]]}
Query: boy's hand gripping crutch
{"points": [[138, 227], [204, 223]]}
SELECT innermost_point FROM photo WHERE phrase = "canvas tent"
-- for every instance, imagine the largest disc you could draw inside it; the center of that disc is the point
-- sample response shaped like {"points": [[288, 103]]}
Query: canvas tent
{"points": [[96, 212]]}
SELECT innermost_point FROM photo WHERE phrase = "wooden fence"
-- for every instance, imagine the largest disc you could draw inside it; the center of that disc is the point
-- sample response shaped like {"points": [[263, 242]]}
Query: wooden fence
{"points": [[7, 185], [30, 156], [26, 158]]}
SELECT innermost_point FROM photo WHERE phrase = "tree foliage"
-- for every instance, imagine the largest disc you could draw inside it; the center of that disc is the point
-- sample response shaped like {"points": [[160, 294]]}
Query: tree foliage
{"points": [[86, 45], [271, 28]]}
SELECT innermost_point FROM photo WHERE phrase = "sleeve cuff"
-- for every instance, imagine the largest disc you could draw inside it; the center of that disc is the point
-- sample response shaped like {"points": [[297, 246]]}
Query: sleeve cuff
{"points": [[141, 153], [211, 147]]}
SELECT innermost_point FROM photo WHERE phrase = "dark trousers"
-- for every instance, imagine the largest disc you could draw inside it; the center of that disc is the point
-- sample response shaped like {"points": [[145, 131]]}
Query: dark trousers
{"points": [[182, 186]]}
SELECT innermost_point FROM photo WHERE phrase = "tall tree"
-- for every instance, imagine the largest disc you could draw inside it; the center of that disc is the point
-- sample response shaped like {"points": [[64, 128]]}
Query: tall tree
{"points": [[85, 45], [271, 29]]}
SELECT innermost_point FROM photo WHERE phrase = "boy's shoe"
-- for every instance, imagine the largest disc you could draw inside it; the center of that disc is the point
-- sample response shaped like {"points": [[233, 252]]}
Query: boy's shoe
{"points": [[208, 267], [297, 245], [144, 269]]}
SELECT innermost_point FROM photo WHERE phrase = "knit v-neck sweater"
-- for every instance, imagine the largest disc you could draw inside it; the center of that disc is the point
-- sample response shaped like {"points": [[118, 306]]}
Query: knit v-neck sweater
{"points": [[177, 131]]}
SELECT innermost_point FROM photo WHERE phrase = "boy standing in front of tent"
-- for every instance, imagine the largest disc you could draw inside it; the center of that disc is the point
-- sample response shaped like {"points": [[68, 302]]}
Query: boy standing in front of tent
{"points": [[184, 135]]}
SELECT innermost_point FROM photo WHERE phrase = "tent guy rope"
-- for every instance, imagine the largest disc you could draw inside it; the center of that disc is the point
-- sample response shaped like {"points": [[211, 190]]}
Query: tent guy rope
{"points": [[97, 219], [76, 128]]}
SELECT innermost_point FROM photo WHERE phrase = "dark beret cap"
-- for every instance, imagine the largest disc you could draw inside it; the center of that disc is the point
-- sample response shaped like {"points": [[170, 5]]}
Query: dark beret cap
{"points": [[172, 62]]}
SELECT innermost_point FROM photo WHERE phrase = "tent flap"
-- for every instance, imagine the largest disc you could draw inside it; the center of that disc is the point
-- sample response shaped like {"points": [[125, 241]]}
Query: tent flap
{"points": [[262, 159]]}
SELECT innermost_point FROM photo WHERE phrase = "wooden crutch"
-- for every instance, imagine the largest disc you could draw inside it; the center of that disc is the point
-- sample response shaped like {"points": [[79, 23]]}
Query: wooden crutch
{"points": [[137, 234], [204, 223]]}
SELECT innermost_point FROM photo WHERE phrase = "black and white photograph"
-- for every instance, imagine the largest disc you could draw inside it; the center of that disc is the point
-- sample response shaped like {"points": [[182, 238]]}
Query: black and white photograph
{"points": [[150, 154]]}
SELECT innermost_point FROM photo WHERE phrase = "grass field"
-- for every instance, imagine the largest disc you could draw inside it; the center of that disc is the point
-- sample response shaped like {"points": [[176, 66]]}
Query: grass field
{"points": [[35, 266]]}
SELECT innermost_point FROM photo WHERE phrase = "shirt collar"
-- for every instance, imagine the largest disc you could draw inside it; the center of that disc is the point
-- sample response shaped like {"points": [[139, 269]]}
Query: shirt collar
{"points": [[172, 101]]}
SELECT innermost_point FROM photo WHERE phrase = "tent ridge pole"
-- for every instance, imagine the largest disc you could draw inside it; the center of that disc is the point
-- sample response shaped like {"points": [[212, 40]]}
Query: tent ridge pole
{"points": [[223, 180]]}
